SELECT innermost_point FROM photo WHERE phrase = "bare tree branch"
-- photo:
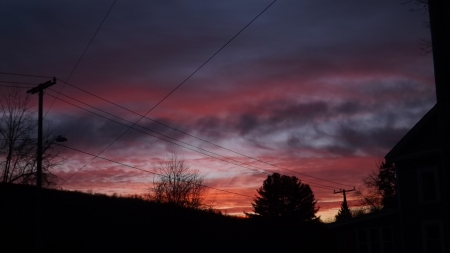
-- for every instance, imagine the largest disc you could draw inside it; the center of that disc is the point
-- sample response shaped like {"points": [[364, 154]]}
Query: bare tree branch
{"points": [[179, 184], [18, 142]]}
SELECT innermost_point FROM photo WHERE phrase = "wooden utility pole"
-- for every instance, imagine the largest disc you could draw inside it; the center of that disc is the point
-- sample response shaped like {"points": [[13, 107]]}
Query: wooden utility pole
{"points": [[344, 192], [39, 89]]}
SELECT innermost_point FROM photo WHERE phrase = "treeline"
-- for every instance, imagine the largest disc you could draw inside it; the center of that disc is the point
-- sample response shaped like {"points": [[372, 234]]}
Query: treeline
{"points": [[81, 222]]}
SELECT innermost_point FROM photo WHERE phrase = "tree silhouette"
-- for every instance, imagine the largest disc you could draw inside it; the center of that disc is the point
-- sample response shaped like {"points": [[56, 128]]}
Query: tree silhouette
{"points": [[343, 213], [18, 141], [178, 184], [380, 188], [385, 183], [425, 44], [284, 196]]}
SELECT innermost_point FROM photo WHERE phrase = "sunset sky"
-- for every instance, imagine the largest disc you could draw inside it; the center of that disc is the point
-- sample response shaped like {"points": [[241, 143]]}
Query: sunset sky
{"points": [[316, 88]]}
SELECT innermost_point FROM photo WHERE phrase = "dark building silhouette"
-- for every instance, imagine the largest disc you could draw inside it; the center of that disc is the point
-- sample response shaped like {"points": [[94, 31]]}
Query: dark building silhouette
{"points": [[418, 223], [420, 193]]}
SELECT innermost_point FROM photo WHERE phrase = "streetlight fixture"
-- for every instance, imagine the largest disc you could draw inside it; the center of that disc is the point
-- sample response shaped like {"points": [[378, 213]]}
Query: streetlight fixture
{"points": [[60, 138]]}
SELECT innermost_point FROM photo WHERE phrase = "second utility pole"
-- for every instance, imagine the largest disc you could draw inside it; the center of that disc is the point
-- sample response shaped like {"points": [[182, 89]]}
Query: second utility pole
{"points": [[344, 191]]}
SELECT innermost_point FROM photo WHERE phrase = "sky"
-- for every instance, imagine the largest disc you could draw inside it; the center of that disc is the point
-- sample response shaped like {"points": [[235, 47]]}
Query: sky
{"points": [[316, 89]]}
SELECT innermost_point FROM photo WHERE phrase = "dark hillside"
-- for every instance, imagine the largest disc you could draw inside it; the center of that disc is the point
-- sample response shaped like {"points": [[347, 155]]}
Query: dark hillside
{"points": [[80, 222]]}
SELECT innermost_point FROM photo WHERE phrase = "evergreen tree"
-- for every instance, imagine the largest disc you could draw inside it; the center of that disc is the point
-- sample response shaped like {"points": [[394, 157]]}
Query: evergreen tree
{"points": [[385, 183], [344, 213], [284, 196]]}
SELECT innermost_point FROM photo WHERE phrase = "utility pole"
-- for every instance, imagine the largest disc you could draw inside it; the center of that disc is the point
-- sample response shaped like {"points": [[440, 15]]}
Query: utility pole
{"points": [[39, 89], [344, 192]]}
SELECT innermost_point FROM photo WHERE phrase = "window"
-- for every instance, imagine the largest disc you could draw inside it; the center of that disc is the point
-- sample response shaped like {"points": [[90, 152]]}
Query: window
{"points": [[375, 240], [432, 236], [428, 185]]}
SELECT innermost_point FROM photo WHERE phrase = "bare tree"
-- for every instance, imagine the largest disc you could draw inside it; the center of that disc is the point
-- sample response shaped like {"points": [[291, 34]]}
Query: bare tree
{"points": [[380, 189], [369, 200], [178, 184], [18, 142], [422, 5]]}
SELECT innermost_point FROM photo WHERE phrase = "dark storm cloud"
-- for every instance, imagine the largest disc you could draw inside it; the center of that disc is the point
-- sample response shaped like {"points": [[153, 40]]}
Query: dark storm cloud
{"points": [[93, 133], [375, 141], [358, 123], [151, 40], [162, 42]]}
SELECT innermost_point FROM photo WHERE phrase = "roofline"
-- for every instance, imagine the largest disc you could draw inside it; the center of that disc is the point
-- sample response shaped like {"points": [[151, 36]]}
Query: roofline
{"points": [[409, 135]]}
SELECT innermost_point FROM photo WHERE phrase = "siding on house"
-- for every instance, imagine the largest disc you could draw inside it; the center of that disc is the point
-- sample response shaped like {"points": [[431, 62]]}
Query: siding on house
{"points": [[418, 156], [356, 235]]}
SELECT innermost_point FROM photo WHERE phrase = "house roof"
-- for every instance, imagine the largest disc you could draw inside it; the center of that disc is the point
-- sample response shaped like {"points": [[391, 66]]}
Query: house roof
{"points": [[419, 130]]}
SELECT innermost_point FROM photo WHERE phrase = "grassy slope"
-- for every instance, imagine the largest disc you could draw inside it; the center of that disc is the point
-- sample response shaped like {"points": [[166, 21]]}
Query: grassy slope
{"points": [[79, 222]]}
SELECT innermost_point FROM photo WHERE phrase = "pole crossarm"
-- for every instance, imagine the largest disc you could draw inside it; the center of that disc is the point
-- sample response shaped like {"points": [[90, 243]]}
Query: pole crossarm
{"points": [[344, 192], [42, 86]]}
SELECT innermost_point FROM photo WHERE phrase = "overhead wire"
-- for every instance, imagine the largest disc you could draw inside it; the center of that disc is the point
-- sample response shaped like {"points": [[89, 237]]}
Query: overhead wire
{"points": [[206, 141], [82, 55], [179, 85], [192, 148], [12, 82], [209, 59], [147, 171], [146, 128], [142, 116], [226, 158], [19, 74], [141, 132], [14, 86], [198, 138]]}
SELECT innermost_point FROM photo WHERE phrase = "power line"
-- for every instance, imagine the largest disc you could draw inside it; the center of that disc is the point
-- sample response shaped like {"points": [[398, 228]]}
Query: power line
{"points": [[198, 138], [206, 141], [313, 184], [170, 93], [209, 59], [142, 116], [147, 171], [84, 52], [166, 136], [90, 42], [149, 135], [29, 75], [14, 86], [17, 83], [150, 172], [224, 159]]}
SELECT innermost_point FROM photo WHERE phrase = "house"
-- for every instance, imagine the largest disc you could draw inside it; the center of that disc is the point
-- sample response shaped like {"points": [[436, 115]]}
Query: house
{"points": [[420, 222], [422, 206], [375, 232]]}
